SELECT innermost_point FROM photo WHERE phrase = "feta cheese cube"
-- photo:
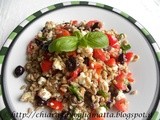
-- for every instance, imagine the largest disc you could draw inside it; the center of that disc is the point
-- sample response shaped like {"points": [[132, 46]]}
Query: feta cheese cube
{"points": [[57, 64], [82, 78], [89, 50], [105, 83], [83, 32], [44, 94], [41, 80], [101, 110], [120, 95]]}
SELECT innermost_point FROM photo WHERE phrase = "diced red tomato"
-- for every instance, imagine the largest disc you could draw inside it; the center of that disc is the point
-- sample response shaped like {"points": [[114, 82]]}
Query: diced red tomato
{"points": [[30, 48], [54, 104], [112, 39], [46, 65], [92, 22], [121, 76], [97, 66], [116, 46], [121, 105], [73, 53], [74, 22], [75, 74], [111, 62], [95, 117], [99, 54], [62, 32], [120, 81], [130, 77], [129, 56]]}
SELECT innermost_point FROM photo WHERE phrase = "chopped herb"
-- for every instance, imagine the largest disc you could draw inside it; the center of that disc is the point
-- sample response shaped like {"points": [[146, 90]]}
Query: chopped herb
{"points": [[102, 93], [74, 91], [121, 35], [125, 47]]}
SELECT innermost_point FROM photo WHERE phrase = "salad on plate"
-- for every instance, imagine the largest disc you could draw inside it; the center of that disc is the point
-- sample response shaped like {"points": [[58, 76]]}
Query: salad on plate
{"points": [[78, 67]]}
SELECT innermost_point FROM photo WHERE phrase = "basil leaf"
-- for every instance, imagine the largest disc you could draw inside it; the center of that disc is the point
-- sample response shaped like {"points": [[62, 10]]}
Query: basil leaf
{"points": [[65, 44], [78, 34], [83, 42], [102, 93], [95, 40], [125, 47]]}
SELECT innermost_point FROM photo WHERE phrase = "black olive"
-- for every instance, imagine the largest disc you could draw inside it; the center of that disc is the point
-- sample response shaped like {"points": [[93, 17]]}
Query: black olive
{"points": [[39, 101], [86, 61], [108, 104], [128, 90], [38, 42], [95, 25], [113, 90], [121, 58], [19, 70], [71, 64], [88, 99], [45, 46], [43, 29]]}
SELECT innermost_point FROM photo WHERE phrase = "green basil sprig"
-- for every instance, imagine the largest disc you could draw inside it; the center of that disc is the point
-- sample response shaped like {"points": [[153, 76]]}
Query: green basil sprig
{"points": [[71, 43]]}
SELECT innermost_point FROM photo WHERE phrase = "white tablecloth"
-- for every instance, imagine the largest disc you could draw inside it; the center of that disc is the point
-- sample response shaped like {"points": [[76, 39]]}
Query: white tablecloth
{"points": [[12, 12]]}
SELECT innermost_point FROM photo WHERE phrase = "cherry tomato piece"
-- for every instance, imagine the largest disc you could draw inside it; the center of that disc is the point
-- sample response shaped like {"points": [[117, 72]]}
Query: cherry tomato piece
{"points": [[129, 56], [98, 67], [111, 62], [112, 39], [46, 65], [130, 77], [30, 48], [92, 22], [116, 46], [75, 74], [121, 105], [54, 104], [120, 81], [74, 22], [99, 54], [62, 32]]}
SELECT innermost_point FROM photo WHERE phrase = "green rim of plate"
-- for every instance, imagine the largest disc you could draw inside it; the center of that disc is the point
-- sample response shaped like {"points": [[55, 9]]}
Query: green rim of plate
{"points": [[5, 112]]}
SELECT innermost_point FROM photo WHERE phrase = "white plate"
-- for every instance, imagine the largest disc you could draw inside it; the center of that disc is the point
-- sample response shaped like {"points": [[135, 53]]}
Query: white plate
{"points": [[146, 70]]}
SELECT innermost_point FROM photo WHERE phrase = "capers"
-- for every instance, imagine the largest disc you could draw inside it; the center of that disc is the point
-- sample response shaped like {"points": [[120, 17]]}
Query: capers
{"points": [[39, 101], [71, 64]]}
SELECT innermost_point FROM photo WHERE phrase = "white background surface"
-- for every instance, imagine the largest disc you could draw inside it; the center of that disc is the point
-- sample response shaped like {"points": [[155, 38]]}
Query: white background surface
{"points": [[12, 12]]}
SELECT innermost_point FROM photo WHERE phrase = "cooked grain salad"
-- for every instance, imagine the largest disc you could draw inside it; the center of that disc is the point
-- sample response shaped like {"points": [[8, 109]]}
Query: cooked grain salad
{"points": [[78, 67]]}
